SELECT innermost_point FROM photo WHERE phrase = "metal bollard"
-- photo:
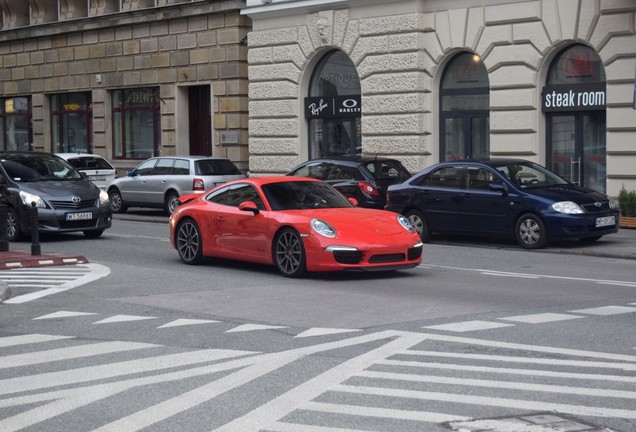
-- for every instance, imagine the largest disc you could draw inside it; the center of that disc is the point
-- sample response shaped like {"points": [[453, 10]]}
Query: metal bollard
{"points": [[35, 232]]}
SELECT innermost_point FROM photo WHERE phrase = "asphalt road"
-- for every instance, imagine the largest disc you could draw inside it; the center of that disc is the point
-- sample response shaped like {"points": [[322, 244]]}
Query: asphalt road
{"points": [[482, 333]]}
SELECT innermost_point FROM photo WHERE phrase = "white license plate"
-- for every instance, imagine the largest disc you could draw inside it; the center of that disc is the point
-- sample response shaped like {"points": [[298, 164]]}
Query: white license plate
{"points": [[97, 178], [605, 221], [79, 216]]}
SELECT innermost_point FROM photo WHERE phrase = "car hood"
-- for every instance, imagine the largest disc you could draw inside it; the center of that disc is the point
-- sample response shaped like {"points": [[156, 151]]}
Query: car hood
{"points": [[361, 222], [574, 193], [61, 189]]}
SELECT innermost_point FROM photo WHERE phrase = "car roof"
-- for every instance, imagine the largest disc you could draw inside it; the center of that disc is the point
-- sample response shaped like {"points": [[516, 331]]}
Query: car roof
{"points": [[260, 181], [351, 160], [73, 155], [492, 162], [189, 157]]}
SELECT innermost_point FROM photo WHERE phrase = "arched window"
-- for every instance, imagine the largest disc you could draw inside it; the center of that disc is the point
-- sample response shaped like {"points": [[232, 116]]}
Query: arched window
{"points": [[332, 107], [465, 109], [574, 100]]}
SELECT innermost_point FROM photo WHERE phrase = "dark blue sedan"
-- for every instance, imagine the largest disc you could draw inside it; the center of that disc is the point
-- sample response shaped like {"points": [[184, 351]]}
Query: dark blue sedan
{"points": [[502, 197]]}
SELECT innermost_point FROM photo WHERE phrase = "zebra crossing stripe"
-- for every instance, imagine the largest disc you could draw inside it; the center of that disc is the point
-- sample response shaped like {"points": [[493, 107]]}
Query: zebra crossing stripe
{"points": [[74, 352], [521, 404], [10, 341]]}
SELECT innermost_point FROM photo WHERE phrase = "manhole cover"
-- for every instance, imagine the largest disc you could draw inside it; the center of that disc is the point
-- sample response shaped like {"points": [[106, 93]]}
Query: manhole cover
{"points": [[541, 422]]}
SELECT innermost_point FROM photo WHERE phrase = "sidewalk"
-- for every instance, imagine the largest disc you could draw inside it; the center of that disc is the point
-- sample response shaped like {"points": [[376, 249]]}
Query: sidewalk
{"points": [[22, 258]]}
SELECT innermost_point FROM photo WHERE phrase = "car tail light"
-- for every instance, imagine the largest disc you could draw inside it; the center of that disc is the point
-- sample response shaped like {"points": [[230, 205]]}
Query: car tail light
{"points": [[368, 189], [198, 184]]}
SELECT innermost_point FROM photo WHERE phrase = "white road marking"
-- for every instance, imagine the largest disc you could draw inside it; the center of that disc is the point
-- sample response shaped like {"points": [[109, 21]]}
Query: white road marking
{"points": [[520, 404], [63, 314], [185, 322], [123, 318], [532, 276], [252, 327], [316, 331], [10, 341], [244, 368], [467, 326], [90, 350], [94, 272], [541, 318], [606, 310], [546, 388]]}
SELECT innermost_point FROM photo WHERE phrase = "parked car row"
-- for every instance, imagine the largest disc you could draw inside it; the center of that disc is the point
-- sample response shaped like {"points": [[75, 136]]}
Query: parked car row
{"points": [[307, 221]]}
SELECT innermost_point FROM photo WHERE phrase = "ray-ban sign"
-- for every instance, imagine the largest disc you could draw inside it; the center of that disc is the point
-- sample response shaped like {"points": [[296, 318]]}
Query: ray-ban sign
{"points": [[330, 107]]}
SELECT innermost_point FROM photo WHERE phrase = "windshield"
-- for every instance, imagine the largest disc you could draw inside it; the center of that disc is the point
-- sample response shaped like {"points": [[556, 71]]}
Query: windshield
{"points": [[36, 167], [528, 175], [89, 163], [303, 195]]}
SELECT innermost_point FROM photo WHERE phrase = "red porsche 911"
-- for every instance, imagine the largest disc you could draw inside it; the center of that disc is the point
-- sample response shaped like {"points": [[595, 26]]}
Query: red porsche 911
{"points": [[299, 224]]}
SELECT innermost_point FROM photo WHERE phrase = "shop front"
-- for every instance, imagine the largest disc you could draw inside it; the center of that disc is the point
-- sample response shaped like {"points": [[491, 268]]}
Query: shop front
{"points": [[426, 82]]}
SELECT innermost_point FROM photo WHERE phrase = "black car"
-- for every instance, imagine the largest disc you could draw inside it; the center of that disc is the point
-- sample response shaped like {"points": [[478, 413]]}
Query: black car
{"points": [[65, 199], [364, 178], [502, 197]]}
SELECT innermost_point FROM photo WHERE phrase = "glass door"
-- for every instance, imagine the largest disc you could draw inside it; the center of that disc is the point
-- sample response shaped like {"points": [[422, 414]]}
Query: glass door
{"points": [[578, 149]]}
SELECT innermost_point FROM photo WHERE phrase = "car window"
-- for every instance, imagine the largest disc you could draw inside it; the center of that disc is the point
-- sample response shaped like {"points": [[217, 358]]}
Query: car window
{"points": [[181, 167], [388, 169], [449, 176], [480, 178], [528, 175], [215, 167], [313, 170], [339, 172], [38, 168], [89, 162], [303, 195], [145, 168], [163, 167], [235, 194]]}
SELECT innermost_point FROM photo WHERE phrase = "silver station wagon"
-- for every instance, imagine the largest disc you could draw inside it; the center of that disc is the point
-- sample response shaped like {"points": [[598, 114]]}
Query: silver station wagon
{"points": [[158, 182]]}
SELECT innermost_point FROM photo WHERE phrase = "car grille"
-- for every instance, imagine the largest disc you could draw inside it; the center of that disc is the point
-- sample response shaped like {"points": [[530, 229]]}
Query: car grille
{"points": [[70, 205], [386, 258], [592, 208], [80, 224], [347, 257], [414, 253]]}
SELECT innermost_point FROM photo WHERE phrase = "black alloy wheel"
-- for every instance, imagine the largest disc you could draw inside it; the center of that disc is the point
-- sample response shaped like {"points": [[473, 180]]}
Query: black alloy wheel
{"points": [[189, 243], [289, 253], [14, 231], [418, 220], [116, 202], [530, 232], [172, 202]]}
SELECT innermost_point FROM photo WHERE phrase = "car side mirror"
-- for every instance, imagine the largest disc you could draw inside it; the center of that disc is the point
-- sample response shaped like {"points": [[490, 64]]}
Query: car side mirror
{"points": [[249, 206], [130, 173], [497, 187]]}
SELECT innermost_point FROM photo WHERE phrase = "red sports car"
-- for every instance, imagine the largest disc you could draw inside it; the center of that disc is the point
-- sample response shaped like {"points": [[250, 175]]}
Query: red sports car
{"points": [[298, 224]]}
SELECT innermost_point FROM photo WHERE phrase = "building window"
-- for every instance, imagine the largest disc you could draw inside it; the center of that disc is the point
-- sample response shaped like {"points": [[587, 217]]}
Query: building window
{"points": [[72, 123], [574, 102], [333, 107], [136, 123], [465, 109], [15, 124]]}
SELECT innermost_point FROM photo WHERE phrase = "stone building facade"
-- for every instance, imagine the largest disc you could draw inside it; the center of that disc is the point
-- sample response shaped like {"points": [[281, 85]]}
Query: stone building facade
{"points": [[126, 79], [552, 81]]}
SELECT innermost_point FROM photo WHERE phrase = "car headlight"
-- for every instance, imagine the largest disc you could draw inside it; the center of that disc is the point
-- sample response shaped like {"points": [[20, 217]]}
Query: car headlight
{"points": [[28, 198], [613, 205], [103, 198], [403, 220], [567, 207], [322, 228]]}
